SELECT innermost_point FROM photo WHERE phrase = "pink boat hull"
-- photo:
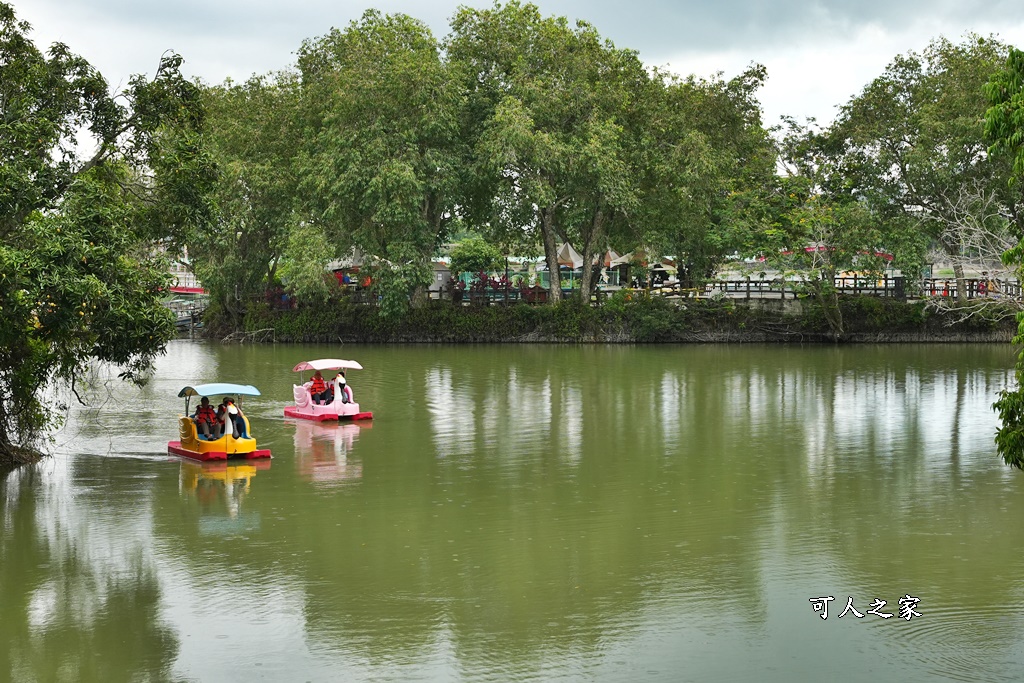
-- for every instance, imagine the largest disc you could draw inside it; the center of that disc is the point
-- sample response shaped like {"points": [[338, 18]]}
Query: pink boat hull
{"points": [[325, 416]]}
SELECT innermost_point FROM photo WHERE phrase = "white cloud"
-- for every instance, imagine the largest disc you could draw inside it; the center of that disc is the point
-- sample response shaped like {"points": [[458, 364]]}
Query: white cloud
{"points": [[818, 54], [813, 78]]}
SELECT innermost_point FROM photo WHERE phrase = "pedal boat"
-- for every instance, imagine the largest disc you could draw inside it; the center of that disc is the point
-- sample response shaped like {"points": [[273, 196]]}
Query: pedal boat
{"points": [[227, 446], [305, 409]]}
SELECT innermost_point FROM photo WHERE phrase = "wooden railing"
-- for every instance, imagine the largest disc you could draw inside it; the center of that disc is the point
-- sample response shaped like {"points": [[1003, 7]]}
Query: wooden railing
{"points": [[746, 288]]}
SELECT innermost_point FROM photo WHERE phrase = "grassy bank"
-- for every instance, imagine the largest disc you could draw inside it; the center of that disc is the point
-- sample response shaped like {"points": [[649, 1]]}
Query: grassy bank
{"points": [[635, 318]]}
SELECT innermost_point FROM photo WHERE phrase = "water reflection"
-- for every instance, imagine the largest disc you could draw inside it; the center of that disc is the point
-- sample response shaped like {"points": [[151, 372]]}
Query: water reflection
{"points": [[517, 408], [80, 588], [220, 488], [324, 451], [548, 513]]}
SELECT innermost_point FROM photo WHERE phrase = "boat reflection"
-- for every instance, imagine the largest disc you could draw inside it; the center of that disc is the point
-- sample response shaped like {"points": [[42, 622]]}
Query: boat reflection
{"points": [[323, 451], [219, 488]]}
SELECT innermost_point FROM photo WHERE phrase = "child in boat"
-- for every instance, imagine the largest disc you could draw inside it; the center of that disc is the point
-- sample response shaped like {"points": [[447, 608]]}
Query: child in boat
{"points": [[342, 392], [234, 414]]}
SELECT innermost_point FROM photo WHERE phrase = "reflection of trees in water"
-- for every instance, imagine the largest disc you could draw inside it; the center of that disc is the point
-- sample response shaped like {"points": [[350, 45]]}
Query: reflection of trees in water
{"points": [[80, 596], [928, 438], [537, 531], [550, 503]]}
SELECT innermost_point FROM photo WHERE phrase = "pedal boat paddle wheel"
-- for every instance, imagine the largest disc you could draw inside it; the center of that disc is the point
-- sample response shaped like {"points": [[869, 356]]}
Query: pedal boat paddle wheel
{"points": [[192, 446], [342, 405]]}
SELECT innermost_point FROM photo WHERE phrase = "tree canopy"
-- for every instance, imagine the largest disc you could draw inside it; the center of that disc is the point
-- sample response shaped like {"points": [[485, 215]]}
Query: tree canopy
{"points": [[914, 145], [1004, 127], [85, 226]]}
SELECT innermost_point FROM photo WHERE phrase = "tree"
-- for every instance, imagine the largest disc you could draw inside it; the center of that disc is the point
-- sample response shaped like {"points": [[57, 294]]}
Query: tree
{"points": [[549, 109], [820, 228], [1004, 119], [254, 130], [380, 164], [914, 141], [709, 159], [80, 277], [474, 255], [1004, 127]]}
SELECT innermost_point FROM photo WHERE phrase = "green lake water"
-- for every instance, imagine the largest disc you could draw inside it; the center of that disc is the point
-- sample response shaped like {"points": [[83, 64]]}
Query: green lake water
{"points": [[532, 513]]}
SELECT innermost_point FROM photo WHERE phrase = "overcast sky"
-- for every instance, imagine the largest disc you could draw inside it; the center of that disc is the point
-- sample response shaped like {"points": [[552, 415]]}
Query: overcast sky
{"points": [[818, 54]]}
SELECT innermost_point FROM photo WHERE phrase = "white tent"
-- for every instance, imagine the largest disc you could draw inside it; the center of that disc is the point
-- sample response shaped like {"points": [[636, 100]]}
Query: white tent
{"points": [[567, 256], [607, 259], [621, 260]]}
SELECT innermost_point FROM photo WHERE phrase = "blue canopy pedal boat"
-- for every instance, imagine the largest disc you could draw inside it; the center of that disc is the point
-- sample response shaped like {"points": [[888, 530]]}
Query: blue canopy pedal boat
{"points": [[222, 444]]}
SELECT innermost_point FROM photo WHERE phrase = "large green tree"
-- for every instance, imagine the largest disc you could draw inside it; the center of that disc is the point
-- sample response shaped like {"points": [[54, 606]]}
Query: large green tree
{"points": [[81, 270], [817, 227], [708, 159], [380, 162], [552, 111], [915, 146], [1004, 128], [254, 131]]}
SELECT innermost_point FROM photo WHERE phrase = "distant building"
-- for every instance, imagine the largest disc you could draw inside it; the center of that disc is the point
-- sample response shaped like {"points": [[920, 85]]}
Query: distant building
{"points": [[442, 276], [184, 281]]}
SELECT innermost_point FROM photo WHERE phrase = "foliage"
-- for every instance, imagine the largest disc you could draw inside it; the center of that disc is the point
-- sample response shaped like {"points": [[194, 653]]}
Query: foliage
{"points": [[253, 131], [913, 148], [302, 268], [820, 229], [553, 133], [1004, 119], [1004, 127], [393, 283], [379, 163], [474, 255], [80, 274], [709, 166]]}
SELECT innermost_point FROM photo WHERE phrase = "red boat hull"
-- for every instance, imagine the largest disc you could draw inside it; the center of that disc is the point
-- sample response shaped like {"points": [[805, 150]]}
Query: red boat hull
{"points": [[174, 448]]}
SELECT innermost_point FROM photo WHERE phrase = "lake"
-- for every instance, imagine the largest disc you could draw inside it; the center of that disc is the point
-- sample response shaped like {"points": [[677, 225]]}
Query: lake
{"points": [[532, 513]]}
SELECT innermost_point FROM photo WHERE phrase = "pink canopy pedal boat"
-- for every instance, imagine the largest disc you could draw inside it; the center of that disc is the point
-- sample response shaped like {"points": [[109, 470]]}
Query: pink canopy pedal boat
{"points": [[192, 445], [341, 407]]}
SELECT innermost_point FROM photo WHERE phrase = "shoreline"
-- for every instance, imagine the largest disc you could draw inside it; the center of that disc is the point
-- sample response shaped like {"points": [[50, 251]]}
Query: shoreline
{"points": [[865, 320]]}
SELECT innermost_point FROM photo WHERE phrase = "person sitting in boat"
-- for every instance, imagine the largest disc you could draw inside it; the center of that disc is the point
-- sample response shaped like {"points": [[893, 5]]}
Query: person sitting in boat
{"points": [[205, 418], [343, 392], [228, 419], [318, 388], [222, 417], [234, 413]]}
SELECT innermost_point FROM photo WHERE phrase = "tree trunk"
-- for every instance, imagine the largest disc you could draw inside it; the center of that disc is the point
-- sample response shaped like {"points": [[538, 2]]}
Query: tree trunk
{"points": [[953, 252], [590, 239], [961, 282], [547, 225], [419, 297], [827, 296]]}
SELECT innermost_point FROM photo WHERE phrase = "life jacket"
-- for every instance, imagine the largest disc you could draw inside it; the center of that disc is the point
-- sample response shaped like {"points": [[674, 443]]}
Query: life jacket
{"points": [[318, 385], [206, 414]]}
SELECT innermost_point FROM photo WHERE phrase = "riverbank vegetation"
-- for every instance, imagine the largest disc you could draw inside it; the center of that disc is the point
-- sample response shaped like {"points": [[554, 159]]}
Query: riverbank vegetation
{"points": [[386, 142], [627, 317]]}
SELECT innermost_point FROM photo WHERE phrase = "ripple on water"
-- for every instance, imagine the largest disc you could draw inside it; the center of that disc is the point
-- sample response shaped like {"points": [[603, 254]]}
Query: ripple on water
{"points": [[963, 644]]}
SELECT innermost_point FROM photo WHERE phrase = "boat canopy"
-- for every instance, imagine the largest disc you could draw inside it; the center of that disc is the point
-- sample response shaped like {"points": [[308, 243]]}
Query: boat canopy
{"points": [[327, 364], [219, 389]]}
